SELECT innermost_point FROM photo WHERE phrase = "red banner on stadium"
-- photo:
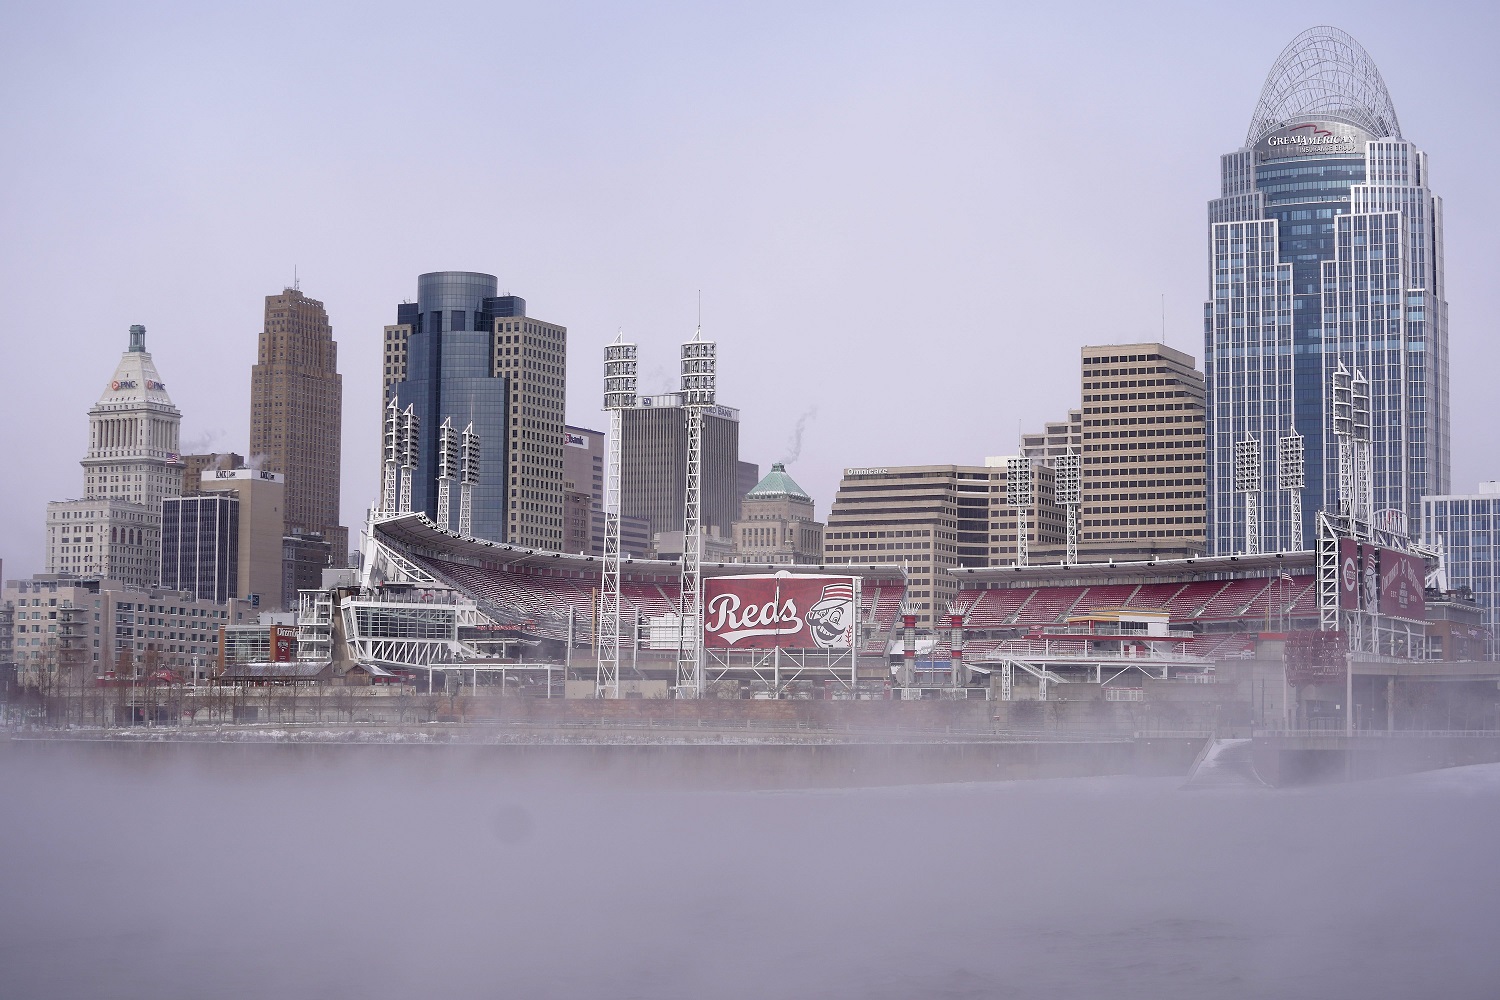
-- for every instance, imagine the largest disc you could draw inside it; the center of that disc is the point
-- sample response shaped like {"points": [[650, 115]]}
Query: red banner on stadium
{"points": [[1349, 566], [1403, 585], [792, 612], [283, 644]]}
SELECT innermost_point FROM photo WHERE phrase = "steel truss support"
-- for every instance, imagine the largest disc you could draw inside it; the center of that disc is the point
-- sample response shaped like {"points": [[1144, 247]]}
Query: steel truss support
{"points": [[699, 390], [607, 678], [468, 478], [689, 606], [1020, 493], [1068, 491], [620, 364]]}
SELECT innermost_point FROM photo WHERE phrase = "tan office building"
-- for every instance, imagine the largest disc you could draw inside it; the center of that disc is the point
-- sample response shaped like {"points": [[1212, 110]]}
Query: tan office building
{"points": [[935, 518], [926, 518], [262, 525], [296, 415], [1140, 433], [1143, 453]]}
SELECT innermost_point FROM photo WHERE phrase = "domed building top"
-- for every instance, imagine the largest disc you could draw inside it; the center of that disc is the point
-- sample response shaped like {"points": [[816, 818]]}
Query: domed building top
{"points": [[136, 384], [776, 485], [1324, 73]]}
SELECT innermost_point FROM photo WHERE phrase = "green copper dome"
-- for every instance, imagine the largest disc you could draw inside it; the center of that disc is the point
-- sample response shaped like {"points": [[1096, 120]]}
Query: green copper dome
{"points": [[776, 485]]}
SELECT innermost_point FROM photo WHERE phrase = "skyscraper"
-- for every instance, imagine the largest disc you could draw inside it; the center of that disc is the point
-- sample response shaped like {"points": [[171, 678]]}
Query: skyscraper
{"points": [[1325, 248], [261, 526], [200, 540], [132, 463], [296, 413], [653, 476], [466, 354], [1139, 435]]}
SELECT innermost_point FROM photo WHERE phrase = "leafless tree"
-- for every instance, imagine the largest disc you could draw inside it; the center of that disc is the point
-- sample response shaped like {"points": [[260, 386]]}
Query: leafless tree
{"points": [[403, 701], [343, 701]]}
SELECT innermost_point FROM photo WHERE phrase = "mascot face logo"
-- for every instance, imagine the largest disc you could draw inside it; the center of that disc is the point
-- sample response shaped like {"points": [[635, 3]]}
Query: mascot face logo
{"points": [[831, 620]]}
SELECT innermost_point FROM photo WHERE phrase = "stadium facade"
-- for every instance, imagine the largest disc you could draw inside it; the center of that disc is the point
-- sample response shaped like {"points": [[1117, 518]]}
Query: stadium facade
{"points": [[1325, 249]]}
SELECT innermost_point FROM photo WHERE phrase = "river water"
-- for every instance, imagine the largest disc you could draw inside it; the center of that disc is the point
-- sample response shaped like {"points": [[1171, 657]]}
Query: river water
{"points": [[333, 878]]}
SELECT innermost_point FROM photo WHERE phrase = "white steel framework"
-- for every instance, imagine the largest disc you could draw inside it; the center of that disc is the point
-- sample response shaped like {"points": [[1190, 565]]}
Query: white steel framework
{"points": [[1247, 480], [447, 457], [1068, 480], [620, 382], [1324, 73], [407, 445], [1020, 493], [468, 477], [699, 382], [390, 458], [1291, 479]]}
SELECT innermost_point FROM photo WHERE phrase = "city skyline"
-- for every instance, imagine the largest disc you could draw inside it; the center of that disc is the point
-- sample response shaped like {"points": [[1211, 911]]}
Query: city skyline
{"points": [[834, 274]]}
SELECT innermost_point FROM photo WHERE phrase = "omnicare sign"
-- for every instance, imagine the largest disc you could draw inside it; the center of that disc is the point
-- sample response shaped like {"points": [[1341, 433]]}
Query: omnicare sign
{"points": [[788, 611]]}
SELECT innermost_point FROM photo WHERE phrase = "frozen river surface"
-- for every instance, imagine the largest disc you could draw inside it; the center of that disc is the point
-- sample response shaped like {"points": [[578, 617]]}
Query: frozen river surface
{"points": [[341, 880]]}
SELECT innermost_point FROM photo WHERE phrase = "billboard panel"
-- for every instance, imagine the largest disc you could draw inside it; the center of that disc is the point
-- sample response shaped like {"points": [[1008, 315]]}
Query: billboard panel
{"points": [[283, 643], [790, 612], [1403, 583], [1370, 595]]}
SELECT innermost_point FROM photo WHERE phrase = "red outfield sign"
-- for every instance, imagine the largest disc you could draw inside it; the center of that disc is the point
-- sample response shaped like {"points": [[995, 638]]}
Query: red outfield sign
{"points": [[792, 612], [1373, 578], [1403, 585]]}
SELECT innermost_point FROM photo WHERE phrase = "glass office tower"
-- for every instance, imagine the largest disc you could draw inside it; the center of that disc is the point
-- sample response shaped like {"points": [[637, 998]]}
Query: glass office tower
{"points": [[1325, 246], [450, 373]]}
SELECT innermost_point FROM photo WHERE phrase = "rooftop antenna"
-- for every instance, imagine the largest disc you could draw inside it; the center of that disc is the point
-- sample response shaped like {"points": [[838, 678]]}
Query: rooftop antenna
{"points": [[1163, 317], [296, 282]]}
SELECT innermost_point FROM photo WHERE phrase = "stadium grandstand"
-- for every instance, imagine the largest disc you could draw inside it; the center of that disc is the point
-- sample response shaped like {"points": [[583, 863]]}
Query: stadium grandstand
{"points": [[546, 597], [1215, 607]]}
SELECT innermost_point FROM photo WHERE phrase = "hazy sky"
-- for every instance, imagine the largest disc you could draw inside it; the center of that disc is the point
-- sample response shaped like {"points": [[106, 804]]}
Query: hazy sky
{"points": [[909, 217]]}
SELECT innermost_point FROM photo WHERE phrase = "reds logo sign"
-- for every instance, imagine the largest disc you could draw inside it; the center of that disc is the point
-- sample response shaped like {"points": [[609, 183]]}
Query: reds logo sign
{"points": [[792, 612]]}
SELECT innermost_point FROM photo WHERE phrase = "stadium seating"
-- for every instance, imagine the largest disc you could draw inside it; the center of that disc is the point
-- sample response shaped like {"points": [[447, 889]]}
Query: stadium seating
{"points": [[1115, 595], [1049, 605]]}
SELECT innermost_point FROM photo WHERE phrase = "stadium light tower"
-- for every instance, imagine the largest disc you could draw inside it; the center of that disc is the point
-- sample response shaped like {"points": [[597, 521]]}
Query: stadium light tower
{"points": [[1020, 493], [447, 457], [1068, 472], [1247, 480], [390, 458], [1291, 477], [620, 361], [699, 381], [1351, 428], [468, 477], [1364, 487], [407, 447]]}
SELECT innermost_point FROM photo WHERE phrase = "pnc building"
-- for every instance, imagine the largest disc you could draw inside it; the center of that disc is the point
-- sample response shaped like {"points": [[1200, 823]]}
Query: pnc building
{"points": [[1325, 248]]}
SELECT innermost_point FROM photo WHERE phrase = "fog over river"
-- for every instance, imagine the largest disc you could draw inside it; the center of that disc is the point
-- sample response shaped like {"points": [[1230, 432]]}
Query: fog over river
{"points": [[425, 875]]}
